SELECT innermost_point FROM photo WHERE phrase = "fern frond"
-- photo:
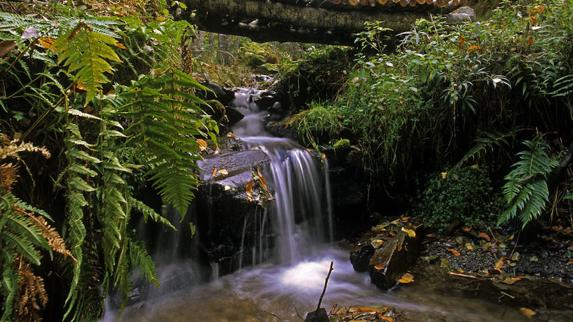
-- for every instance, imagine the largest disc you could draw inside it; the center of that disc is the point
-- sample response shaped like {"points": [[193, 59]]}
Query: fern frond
{"points": [[76, 187], [32, 295], [9, 285], [139, 258], [15, 147], [87, 55], [166, 120], [525, 188], [149, 212], [487, 142]]}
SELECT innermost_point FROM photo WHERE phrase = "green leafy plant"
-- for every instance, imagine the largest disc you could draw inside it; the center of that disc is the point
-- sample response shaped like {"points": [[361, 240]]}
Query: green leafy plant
{"points": [[319, 121], [464, 195], [525, 189]]}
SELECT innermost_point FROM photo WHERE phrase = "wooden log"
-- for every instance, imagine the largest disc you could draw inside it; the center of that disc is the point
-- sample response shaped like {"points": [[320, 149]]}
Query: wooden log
{"points": [[284, 22]]}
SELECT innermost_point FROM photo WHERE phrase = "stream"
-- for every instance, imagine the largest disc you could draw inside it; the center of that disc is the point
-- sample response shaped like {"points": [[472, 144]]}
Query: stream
{"points": [[288, 285]]}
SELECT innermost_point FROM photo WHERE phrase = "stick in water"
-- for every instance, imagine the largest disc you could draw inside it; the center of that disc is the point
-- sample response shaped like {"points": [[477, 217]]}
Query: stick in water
{"points": [[325, 284]]}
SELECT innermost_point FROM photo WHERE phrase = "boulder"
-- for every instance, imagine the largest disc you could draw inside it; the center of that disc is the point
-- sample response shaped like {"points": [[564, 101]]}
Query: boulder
{"points": [[390, 262], [462, 14], [217, 92], [361, 255], [233, 116], [266, 99]]}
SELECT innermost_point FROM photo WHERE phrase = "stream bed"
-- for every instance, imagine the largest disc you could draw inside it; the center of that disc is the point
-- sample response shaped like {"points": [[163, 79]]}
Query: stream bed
{"points": [[285, 293]]}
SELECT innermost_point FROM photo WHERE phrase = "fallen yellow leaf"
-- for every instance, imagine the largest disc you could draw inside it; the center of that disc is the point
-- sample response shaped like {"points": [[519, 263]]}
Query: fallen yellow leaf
{"points": [[511, 280], [500, 263], [48, 43], [406, 279], [223, 172], [411, 233], [377, 243], [454, 252], [529, 313], [202, 144], [249, 190]]}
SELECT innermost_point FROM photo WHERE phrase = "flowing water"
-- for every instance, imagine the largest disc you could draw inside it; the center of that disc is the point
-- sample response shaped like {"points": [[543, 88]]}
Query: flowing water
{"points": [[287, 288]]}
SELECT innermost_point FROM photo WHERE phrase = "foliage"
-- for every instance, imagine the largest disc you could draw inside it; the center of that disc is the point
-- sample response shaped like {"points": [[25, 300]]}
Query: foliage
{"points": [[24, 233], [58, 89], [315, 122], [465, 195], [455, 94], [526, 190]]}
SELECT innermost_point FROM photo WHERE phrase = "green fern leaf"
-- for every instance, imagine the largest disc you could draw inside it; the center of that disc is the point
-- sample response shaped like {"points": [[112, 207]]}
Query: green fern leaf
{"points": [[525, 188], [87, 55]]}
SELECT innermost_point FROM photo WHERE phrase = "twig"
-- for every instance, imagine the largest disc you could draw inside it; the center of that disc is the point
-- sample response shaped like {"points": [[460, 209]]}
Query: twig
{"points": [[463, 275], [325, 285]]}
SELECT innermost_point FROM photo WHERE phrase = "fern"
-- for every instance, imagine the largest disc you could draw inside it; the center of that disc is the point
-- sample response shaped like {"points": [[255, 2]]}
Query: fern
{"points": [[24, 234], [166, 119], [525, 188], [87, 55], [487, 142], [76, 188]]}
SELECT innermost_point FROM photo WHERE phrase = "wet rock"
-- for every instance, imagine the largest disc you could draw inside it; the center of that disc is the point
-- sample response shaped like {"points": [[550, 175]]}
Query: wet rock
{"points": [[217, 92], [228, 221], [462, 14], [360, 257], [390, 262], [266, 99], [233, 116], [319, 315], [229, 165]]}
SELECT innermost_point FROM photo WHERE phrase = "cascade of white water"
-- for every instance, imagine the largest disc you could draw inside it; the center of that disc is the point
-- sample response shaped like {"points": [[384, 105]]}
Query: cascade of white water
{"points": [[301, 210]]}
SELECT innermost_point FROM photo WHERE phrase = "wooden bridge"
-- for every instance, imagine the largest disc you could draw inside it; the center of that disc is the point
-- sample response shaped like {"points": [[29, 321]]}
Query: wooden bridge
{"points": [[320, 21]]}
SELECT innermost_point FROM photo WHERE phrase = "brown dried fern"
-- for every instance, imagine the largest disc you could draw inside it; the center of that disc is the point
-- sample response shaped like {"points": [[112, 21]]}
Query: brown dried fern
{"points": [[14, 147], [32, 295], [56, 242], [8, 176]]}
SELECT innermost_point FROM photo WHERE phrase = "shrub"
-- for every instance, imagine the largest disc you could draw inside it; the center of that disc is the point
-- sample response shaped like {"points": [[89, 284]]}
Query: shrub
{"points": [[317, 123], [461, 194]]}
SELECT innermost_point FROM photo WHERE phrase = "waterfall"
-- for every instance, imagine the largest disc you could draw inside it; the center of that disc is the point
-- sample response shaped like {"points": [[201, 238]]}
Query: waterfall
{"points": [[301, 210]]}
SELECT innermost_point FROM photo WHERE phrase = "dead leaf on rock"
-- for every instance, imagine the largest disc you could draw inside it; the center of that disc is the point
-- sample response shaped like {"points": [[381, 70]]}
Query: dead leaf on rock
{"points": [[380, 266], [511, 280], [406, 279], [249, 187], [529, 313], [411, 233], [454, 252], [500, 263], [202, 144], [377, 243]]}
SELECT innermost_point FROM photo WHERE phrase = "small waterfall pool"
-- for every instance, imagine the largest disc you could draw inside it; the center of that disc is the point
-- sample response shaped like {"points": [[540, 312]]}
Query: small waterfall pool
{"points": [[288, 287]]}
